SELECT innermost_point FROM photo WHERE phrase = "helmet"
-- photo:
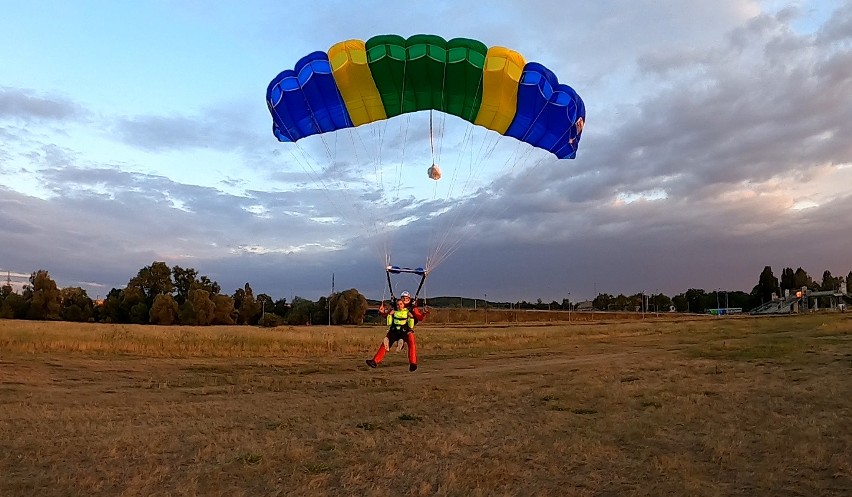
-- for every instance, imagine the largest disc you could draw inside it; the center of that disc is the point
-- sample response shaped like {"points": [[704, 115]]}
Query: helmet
{"points": [[405, 294]]}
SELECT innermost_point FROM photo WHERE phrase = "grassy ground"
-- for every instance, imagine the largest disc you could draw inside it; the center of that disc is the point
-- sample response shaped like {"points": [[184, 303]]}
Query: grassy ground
{"points": [[702, 407]]}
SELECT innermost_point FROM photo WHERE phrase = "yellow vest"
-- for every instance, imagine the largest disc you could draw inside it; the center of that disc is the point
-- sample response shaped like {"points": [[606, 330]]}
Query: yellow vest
{"points": [[401, 318]]}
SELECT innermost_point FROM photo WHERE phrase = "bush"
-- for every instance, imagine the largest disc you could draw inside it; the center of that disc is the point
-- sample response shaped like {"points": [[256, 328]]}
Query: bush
{"points": [[270, 320]]}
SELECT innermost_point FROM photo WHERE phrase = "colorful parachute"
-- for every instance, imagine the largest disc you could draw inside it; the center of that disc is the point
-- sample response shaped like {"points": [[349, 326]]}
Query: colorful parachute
{"points": [[357, 83]]}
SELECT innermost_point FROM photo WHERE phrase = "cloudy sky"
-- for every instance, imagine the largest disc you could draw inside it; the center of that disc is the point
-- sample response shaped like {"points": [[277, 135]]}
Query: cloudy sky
{"points": [[717, 142]]}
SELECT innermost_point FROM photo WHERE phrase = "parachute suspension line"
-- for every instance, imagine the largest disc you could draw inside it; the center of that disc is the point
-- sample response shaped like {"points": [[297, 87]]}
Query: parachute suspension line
{"points": [[463, 149], [509, 165], [448, 225], [431, 138], [474, 161], [347, 196], [407, 125], [504, 206], [305, 163], [443, 116], [401, 165], [369, 224], [440, 237], [443, 109], [319, 129]]}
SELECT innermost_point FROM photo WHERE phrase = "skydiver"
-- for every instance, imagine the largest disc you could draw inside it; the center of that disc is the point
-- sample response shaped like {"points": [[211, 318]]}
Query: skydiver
{"points": [[417, 313], [400, 327]]}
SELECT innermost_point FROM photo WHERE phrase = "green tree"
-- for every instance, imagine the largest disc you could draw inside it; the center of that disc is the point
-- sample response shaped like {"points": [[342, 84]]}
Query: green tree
{"points": [[130, 311], [281, 308], [44, 297], [695, 300], [5, 291], [248, 310], [266, 303], [602, 301], [802, 278], [788, 280], [270, 320], [153, 280], [348, 307], [76, 305], [111, 311], [849, 282], [319, 312], [164, 311], [679, 301], [201, 308], [223, 310], [205, 283], [184, 279], [737, 299], [829, 282], [300, 311], [14, 306], [767, 285], [659, 303], [139, 313]]}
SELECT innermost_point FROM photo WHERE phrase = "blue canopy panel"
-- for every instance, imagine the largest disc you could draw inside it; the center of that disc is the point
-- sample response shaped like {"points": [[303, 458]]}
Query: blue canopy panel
{"points": [[558, 117], [546, 112], [306, 100], [576, 110]]}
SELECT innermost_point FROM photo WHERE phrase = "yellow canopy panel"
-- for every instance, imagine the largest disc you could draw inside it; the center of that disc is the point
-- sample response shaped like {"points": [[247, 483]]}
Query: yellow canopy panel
{"points": [[500, 78], [353, 77]]}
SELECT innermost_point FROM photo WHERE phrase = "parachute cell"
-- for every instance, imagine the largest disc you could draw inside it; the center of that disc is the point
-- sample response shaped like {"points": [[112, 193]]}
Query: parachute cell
{"points": [[546, 112], [463, 85], [352, 75], [500, 78], [386, 56], [306, 101]]}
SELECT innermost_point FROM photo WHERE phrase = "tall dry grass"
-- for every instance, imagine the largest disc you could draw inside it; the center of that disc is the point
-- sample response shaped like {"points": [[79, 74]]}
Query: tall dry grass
{"points": [[720, 407]]}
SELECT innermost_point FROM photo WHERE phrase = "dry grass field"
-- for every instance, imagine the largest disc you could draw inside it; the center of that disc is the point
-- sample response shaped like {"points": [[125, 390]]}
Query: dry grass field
{"points": [[663, 407]]}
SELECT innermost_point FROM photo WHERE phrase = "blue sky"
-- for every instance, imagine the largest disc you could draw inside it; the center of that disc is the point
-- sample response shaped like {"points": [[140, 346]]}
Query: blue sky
{"points": [[716, 143]]}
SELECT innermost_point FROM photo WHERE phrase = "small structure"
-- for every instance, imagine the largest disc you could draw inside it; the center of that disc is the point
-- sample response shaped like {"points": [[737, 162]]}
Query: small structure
{"points": [[803, 300], [585, 305]]}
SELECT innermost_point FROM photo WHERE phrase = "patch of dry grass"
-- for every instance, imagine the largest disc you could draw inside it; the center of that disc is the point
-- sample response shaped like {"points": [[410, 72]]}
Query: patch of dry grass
{"points": [[709, 407]]}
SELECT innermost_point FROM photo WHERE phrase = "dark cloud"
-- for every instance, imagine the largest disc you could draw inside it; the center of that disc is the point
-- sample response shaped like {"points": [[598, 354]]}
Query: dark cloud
{"points": [[838, 29], [26, 104], [713, 125], [227, 127]]}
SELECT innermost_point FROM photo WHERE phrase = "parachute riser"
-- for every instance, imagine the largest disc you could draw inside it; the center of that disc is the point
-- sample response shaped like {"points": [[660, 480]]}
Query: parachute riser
{"points": [[398, 270]]}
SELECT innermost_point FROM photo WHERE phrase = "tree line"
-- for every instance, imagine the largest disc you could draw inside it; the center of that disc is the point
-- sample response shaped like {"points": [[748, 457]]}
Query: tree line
{"points": [[694, 300], [161, 295], [700, 301]]}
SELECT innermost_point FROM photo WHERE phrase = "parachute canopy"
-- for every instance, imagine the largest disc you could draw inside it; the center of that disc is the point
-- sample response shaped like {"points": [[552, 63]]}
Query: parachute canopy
{"points": [[359, 82]]}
